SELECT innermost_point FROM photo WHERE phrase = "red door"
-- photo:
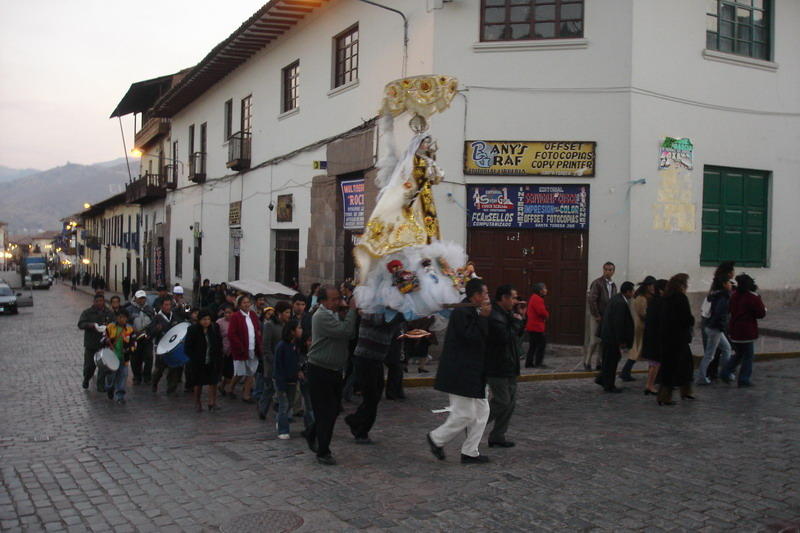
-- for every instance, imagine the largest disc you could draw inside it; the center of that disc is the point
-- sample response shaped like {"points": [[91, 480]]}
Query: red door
{"points": [[557, 258]]}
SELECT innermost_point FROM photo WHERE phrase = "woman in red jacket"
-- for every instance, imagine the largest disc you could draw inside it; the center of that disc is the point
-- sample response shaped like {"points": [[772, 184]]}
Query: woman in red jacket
{"points": [[537, 315], [244, 335], [746, 308]]}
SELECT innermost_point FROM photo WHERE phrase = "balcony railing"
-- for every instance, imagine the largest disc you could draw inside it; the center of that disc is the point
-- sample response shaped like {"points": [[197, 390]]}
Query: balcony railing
{"points": [[171, 172], [197, 167], [151, 130], [239, 151], [146, 189]]}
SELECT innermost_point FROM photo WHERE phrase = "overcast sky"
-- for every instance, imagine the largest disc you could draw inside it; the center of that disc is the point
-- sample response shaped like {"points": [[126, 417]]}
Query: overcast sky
{"points": [[65, 64]]}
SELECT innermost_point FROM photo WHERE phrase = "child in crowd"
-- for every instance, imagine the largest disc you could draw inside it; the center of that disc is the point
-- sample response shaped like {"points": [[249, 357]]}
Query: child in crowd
{"points": [[288, 376], [119, 337]]}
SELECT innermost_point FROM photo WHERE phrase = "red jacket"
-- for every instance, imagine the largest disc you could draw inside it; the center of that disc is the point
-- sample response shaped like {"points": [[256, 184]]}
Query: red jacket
{"points": [[237, 336], [537, 314], [745, 309]]}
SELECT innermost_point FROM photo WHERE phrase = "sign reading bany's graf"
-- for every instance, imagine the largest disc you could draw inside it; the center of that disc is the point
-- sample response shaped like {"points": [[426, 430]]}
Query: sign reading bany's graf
{"points": [[528, 206], [353, 203], [529, 158]]}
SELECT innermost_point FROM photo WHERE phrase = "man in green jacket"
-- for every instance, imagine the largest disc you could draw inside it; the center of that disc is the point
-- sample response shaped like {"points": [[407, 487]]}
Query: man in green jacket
{"points": [[330, 339]]}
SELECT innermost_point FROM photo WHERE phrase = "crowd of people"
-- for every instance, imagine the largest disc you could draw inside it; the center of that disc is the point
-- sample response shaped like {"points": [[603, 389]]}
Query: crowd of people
{"points": [[301, 358]]}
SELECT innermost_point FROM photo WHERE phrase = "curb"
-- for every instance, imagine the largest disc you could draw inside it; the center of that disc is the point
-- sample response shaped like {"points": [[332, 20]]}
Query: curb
{"points": [[557, 376]]}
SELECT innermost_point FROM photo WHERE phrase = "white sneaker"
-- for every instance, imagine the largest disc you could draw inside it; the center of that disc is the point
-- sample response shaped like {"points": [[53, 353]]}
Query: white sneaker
{"points": [[283, 436]]}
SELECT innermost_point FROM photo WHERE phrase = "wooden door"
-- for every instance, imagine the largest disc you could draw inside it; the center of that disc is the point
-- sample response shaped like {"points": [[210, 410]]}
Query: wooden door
{"points": [[557, 258]]}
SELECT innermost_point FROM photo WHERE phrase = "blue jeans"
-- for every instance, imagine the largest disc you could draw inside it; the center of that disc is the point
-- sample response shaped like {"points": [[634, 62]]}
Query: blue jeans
{"points": [[116, 381], [743, 354], [714, 338], [286, 401]]}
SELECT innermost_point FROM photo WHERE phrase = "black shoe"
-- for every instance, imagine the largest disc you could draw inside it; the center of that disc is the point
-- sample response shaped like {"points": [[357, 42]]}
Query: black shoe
{"points": [[85, 384], [613, 389], [688, 397], [364, 440], [110, 393], [262, 416], [501, 444], [312, 442], [349, 421], [477, 460], [598, 381], [423, 371], [670, 402], [598, 367], [326, 460], [542, 365], [437, 451], [648, 392], [627, 377]]}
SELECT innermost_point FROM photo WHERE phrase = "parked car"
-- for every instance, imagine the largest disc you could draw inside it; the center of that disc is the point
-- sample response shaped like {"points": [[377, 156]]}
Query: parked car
{"points": [[8, 300]]}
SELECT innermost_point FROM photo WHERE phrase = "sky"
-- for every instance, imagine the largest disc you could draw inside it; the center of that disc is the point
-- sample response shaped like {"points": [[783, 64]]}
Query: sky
{"points": [[65, 64]]}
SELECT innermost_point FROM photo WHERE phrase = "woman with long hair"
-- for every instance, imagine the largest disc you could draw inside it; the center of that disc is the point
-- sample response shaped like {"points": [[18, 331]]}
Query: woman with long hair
{"points": [[746, 308], [714, 327], [677, 322], [203, 345], [651, 345], [641, 299]]}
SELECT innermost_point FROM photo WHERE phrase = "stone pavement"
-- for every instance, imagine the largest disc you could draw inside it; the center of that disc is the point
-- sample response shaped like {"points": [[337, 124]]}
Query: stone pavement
{"points": [[72, 460]]}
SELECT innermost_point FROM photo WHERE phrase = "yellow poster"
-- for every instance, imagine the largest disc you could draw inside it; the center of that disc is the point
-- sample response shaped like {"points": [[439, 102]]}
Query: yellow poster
{"points": [[530, 158]]}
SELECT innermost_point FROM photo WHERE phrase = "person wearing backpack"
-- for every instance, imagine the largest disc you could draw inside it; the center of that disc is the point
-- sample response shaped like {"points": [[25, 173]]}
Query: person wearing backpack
{"points": [[746, 308], [715, 319]]}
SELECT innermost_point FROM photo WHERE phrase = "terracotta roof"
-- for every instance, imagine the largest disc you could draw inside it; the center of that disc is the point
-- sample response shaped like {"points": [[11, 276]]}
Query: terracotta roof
{"points": [[271, 21]]}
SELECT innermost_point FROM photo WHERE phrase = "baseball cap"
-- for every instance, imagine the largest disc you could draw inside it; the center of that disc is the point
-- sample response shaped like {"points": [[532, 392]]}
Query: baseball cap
{"points": [[177, 290], [140, 294]]}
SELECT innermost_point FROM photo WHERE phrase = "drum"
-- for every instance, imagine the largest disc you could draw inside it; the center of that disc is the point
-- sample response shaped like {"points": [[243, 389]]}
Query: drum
{"points": [[107, 360], [170, 347]]}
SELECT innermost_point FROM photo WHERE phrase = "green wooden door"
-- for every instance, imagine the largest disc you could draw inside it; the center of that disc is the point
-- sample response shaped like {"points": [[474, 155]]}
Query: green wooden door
{"points": [[735, 215]]}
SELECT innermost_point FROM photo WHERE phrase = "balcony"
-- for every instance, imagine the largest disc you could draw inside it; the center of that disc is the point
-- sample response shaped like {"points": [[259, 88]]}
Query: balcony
{"points": [[197, 167], [239, 151], [152, 129], [146, 189], [171, 172]]}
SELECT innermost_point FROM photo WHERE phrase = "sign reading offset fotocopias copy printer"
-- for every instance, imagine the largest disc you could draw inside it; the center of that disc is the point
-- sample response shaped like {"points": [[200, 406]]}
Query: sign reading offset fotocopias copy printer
{"points": [[529, 158]]}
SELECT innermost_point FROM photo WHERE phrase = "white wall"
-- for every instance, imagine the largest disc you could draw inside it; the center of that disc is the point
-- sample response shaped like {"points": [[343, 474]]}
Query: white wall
{"points": [[670, 38]]}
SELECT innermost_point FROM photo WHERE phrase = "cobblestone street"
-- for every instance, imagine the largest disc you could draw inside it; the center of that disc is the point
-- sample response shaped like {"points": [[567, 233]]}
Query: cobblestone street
{"points": [[73, 460]]}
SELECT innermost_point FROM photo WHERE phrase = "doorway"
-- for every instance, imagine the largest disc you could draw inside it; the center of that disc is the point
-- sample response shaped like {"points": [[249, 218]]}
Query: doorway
{"points": [[558, 258], [287, 256]]}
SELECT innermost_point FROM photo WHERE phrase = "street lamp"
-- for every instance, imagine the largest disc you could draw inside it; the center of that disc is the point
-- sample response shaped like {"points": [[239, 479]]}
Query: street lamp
{"points": [[87, 205]]}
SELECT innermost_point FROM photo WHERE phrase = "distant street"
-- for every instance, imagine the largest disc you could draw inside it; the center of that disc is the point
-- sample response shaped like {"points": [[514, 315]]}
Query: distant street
{"points": [[72, 460]]}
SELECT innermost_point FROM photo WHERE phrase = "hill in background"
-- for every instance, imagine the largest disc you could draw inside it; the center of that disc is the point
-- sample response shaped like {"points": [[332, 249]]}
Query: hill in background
{"points": [[34, 202], [10, 174]]}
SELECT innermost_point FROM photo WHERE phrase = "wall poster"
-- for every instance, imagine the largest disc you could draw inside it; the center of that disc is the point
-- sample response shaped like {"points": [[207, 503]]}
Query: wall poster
{"points": [[528, 206], [353, 203]]}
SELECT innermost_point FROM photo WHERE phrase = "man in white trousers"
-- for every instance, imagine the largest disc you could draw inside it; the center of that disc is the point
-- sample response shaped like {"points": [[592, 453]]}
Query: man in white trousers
{"points": [[462, 374]]}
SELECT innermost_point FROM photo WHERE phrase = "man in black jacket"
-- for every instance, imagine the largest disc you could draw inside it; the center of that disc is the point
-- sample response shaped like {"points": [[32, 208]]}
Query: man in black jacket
{"points": [[617, 334], [462, 374], [93, 321], [502, 362]]}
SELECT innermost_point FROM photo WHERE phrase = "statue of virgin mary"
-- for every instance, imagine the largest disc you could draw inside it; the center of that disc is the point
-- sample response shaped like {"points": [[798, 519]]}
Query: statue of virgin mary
{"points": [[404, 226]]}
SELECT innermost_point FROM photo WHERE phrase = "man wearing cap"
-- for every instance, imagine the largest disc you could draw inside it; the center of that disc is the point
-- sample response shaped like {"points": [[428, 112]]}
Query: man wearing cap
{"points": [[180, 307], [141, 316], [93, 322]]}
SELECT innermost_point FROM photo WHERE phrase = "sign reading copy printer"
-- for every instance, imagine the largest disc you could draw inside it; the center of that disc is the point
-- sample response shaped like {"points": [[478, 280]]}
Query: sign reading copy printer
{"points": [[528, 206], [353, 203], [529, 158]]}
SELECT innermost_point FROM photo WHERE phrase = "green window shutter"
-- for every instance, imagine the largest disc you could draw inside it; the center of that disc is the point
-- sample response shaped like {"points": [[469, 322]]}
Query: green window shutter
{"points": [[735, 214]]}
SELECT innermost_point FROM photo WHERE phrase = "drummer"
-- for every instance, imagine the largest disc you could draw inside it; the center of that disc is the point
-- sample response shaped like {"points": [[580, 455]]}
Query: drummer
{"points": [[120, 338], [164, 320], [93, 321]]}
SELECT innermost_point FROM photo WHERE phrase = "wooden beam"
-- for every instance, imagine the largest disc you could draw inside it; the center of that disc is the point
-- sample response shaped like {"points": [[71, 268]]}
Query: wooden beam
{"points": [[309, 3], [292, 8]]}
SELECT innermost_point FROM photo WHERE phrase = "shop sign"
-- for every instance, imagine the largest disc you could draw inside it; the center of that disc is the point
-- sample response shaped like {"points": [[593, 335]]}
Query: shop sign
{"points": [[353, 203], [528, 206], [529, 158]]}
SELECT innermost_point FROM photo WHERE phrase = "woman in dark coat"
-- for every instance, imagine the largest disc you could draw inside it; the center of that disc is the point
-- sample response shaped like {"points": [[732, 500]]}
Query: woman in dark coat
{"points": [[651, 344], [203, 345], [676, 335]]}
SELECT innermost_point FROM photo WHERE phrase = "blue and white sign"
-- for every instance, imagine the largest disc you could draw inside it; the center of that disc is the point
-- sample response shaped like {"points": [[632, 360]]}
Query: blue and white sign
{"points": [[528, 206], [353, 203]]}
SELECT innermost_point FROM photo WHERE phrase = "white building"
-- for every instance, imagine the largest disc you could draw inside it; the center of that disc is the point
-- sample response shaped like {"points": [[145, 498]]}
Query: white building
{"points": [[628, 86]]}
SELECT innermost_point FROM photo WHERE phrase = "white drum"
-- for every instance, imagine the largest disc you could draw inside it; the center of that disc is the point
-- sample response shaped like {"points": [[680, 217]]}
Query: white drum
{"points": [[107, 360]]}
